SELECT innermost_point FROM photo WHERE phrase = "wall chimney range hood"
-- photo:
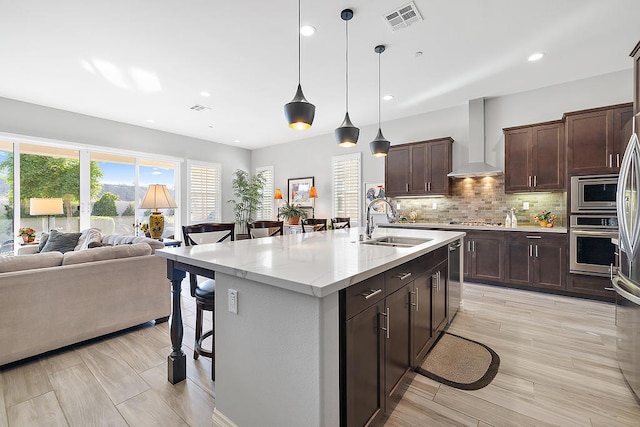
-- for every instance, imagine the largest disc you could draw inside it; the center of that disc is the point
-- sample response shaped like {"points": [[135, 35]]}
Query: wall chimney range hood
{"points": [[477, 165]]}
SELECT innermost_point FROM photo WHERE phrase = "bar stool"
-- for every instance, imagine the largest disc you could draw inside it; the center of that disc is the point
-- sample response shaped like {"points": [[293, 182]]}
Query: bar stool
{"points": [[338, 223], [205, 292], [271, 228], [315, 224]]}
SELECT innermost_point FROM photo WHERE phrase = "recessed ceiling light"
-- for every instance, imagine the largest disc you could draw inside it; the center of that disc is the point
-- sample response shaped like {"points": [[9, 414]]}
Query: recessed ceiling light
{"points": [[307, 30], [387, 97], [535, 56], [236, 141], [205, 94], [210, 126], [150, 121], [418, 54]]}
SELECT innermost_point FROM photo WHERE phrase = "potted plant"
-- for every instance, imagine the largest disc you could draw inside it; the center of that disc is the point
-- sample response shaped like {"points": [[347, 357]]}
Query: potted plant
{"points": [[545, 219], [292, 213], [248, 192], [28, 234]]}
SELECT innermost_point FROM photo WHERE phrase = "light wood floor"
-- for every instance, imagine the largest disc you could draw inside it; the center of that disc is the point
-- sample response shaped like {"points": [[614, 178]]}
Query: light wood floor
{"points": [[557, 368]]}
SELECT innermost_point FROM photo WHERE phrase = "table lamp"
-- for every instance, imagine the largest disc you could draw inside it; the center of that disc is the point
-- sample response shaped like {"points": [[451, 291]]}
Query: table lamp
{"points": [[278, 197], [45, 206], [157, 197], [313, 195]]}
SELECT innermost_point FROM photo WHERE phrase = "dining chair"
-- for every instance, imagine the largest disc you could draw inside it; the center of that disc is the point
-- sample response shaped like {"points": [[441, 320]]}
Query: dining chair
{"points": [[259, 229], [338, 223], [314, 224], [205, 292]]}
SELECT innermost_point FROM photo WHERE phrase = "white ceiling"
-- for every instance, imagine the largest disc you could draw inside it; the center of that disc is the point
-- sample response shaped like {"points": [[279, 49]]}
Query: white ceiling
{"points": [[131, 61]]}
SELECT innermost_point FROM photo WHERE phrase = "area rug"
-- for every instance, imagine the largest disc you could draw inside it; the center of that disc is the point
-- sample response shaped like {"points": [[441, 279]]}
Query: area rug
{"points": [[461, 363]]}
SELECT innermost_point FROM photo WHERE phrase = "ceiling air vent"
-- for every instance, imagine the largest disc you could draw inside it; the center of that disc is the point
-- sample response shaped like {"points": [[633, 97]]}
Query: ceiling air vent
{"points": [[199, 107], [402, 17]]}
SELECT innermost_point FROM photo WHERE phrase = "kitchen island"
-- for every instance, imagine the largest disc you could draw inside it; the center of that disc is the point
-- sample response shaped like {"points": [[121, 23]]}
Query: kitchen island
{"points": [[277, 358]]}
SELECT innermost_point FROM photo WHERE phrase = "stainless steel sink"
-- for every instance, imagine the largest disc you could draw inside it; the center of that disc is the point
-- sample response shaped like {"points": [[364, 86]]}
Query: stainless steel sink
{"points": [[396, 241]]}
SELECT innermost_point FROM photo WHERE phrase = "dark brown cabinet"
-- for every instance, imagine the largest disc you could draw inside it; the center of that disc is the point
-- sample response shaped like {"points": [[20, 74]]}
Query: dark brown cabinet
{"points": [[535, 157], [419, 168], [635, 54], [397, 333], [484, 255], [421, 320], [597, 138], [439, 283], [536, 259]]}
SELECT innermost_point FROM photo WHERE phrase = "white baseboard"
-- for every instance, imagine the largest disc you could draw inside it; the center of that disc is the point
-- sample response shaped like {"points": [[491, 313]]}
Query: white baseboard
{"points": [[219, 420]]}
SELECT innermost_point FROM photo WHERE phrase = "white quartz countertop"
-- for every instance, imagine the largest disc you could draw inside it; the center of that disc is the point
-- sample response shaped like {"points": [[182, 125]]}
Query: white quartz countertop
{"points": [[317, 264], [428, 226]]}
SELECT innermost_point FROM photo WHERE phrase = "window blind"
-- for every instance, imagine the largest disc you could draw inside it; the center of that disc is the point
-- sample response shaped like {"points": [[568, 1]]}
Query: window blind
{"points": [[204, 192], [266, 211], [346, 186]]}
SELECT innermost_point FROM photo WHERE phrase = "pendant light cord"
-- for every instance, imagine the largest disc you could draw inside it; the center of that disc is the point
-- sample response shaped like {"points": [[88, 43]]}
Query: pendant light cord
{"points": [[379, 54], [299, 59], [346, 60]]}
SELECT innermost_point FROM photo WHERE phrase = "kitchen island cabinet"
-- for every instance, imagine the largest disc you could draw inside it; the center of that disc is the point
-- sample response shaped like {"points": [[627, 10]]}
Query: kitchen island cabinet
{"points": [[597, 139], [535, 157], [419, 168], [280, 356]]}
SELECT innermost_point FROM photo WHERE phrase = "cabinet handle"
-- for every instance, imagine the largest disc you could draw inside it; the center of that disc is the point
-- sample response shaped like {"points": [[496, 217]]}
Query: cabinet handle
{"points": [[535, 180], [609, 289], [369, 293], [536, 251], [417, 300], [425, 186], [610, 160], [429, 186], [402, 276], [469, 246], [406, 186], [474, 245], [386, 322], [530, 250], [529, 181], [438, 281], [534, 237], [434, 279], [618, 160]]}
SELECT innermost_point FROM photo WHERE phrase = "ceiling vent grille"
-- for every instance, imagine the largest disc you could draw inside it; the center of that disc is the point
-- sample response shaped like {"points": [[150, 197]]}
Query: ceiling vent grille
{"points": [[402, 17], [199, 107]]}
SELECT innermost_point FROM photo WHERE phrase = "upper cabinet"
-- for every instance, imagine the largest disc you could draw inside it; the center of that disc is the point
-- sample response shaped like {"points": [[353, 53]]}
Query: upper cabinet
{"points": [[419, 168], [597, 138], [535, 157]]}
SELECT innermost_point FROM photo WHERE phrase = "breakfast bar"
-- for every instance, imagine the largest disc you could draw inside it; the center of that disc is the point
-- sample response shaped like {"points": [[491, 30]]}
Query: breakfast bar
{"points": [[277, 358]]}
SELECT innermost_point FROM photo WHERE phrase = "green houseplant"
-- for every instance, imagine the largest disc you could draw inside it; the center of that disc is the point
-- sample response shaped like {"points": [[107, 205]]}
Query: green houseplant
{"points": [[292, 213], [247, 190]]}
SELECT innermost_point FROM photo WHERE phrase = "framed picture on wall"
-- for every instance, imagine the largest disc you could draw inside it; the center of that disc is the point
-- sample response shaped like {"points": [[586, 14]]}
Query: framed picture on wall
{"points": [[372, 191], [299, 191]]}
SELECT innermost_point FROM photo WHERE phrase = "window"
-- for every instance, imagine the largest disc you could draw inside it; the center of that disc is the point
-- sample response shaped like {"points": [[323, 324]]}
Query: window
{"points": [[113, 184], [204, 192], [266, 211], [346, 186]]}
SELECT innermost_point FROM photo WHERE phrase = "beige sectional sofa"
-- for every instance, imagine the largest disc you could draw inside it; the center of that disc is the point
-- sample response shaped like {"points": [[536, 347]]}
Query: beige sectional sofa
{"points": [[51, 300]]}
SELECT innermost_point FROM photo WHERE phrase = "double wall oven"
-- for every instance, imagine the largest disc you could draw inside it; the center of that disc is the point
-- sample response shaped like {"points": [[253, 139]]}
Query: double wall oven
{"points": [[593, 223]]}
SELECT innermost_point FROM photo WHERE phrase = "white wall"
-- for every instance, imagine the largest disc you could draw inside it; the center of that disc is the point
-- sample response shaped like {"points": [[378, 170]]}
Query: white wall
{"points": [[34, 120], [312, 157]]}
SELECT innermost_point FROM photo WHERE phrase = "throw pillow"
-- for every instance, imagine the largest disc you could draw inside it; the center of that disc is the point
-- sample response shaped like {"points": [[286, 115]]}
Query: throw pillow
{"points": [[89, 235], [43, 240], [61, 242]]}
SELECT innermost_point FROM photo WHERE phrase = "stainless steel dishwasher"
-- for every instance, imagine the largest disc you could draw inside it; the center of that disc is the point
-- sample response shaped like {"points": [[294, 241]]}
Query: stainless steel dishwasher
{"points": [[454, 288]]}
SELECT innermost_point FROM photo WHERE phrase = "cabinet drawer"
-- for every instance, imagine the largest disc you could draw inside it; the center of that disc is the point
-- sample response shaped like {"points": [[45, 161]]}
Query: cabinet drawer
{"points": [[364, 294], [399, 276], [426, 262]]}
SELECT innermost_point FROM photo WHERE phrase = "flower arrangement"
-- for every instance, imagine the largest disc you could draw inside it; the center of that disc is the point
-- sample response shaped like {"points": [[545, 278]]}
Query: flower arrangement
{"points": [[27, 231], [144, 227], [544, 218]]}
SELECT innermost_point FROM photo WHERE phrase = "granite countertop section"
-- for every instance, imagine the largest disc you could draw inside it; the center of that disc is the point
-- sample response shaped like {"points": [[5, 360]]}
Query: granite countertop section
{"points": [[316, 264], [429, 226]]}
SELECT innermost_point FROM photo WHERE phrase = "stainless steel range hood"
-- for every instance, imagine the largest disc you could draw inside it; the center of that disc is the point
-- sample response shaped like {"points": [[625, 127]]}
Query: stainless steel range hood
{"points": [[477, 165]]}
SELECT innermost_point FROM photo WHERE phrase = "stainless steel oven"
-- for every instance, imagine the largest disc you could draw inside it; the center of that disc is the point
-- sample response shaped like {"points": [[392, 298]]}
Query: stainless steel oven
{"points": [[590, 249], [594, 193]]}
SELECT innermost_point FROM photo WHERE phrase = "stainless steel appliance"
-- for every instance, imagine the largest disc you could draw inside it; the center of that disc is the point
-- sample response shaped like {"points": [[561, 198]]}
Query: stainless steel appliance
{"points": [[454, 288], [593, 193], [627, 280], [590, 249]]}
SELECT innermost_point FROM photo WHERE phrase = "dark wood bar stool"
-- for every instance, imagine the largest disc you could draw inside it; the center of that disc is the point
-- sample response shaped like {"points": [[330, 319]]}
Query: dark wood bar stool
{"points": [[205, 292], [273, 228], [338, 223], [314, 224]]}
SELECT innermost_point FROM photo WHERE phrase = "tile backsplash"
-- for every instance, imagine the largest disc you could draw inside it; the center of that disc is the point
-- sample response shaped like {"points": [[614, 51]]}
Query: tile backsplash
{"points": [[483, 199]]}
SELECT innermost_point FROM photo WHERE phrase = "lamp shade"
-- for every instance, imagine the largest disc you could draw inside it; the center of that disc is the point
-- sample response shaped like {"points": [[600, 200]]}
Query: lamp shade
{"points": [[313, 194], [45, 206], [379, 146], [299, 112], [278, 195], [158, 197]]}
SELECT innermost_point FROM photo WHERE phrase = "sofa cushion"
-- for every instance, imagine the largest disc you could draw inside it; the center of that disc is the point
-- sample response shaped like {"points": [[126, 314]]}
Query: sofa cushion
{"points": [[107, 252], [61, 242], [43, 241], [29, 262], [119, 239], [88, 236]]}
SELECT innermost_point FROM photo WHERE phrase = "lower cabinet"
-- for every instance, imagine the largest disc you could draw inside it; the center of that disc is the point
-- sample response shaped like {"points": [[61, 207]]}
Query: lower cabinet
{"points": [[485, 255], [536, 259], [389, 322]]}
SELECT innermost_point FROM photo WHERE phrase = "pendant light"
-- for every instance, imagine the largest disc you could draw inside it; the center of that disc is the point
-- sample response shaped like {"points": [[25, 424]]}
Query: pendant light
{"points": [[379, 146], [347, 134], [299, 112]]}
